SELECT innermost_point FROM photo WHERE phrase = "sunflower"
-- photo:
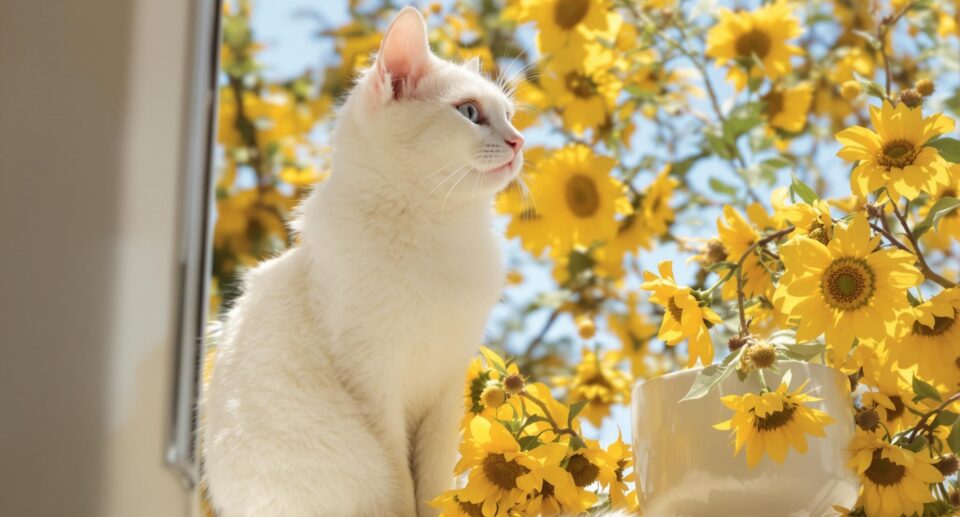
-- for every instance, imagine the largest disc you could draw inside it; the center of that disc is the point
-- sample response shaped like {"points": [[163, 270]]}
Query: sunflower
{"points": [[894, 156], [585, 91], [932, 342], [737, 236], [552, 487], [787, 108], [598, 381], [451, 505], [497, 467], [479, 380], [772, 422], [684, 316], [651, 219], [813, 221], [894, 481], [889, 393], [567, 29], [621, 497], [634, 332], [847, 289], [577, 198], [518, 202], [739, 36]]}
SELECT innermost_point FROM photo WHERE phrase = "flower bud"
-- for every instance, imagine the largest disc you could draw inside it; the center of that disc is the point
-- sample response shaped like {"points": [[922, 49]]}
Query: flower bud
{"points": [[513, 384], [493, 396], [736, 342], [911, 97], [925, 87], [850, 90], [514, 277], [761, 355], [867, 419], [586, 327]]}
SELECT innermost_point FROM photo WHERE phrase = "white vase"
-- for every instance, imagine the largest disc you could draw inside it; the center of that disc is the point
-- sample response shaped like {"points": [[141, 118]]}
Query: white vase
{"points": [[685, 468]]}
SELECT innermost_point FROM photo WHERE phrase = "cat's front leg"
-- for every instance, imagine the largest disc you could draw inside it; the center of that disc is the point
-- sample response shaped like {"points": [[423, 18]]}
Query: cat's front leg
{"points": [[435, 449]]}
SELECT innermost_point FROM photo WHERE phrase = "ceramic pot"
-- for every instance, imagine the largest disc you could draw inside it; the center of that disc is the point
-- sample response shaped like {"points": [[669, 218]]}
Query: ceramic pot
{"points": [[685, 468]]}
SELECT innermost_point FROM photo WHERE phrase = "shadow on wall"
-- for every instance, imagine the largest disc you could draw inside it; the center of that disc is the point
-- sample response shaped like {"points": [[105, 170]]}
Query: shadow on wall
{"points": [[63, 91]]}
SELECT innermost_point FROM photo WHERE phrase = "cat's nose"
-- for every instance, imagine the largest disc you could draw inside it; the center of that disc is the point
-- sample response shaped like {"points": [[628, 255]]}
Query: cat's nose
{"points": [[515, 141]]}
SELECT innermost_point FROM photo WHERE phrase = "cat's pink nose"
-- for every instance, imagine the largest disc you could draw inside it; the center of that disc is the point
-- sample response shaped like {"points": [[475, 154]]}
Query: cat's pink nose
{"points": [[515, 142]]}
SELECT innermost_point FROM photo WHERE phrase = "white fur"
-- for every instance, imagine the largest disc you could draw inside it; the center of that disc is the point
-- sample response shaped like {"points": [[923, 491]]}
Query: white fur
{"points": [[338, 380]]}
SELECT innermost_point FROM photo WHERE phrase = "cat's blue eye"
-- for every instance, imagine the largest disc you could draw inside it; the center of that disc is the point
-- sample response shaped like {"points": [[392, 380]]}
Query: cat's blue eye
{"points": [[471, 111]]}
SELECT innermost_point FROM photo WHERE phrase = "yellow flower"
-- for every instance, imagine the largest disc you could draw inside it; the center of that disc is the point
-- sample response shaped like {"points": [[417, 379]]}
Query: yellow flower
{"points": [[597, 381], [737, 236], [577, 198], [894, 481], [651, 219], [621, 497], [684, 316], [772, 422], [481, 385], [585, 92], [634, 332], [787, 108], [739, 36], [847, 289], [894, 156], [813, 221], [451, 504], [552, 487], [932, 342], [302, 176], [569, 28], [496, 467]]}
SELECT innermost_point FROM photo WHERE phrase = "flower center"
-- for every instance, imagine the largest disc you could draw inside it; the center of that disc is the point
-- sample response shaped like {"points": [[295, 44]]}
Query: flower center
{"points": [[582, 196], [471, 509], [547, 490], [884, 472], [578, 84], [897, 153], [501, 472], [897, 410], [818, 232], [568, 13], [753, 42], [598, 380], [584, 473], [941, 324], [675, 310], [775, 420], [774, 101], [847, 283]]}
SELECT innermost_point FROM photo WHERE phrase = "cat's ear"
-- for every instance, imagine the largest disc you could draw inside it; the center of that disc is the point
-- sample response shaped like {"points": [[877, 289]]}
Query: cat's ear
{"points": [[404, 56], [473, 65]]}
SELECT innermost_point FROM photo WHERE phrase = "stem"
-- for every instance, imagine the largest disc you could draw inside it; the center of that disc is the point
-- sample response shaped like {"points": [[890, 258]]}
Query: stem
{"points": [[740, 296], [535, 343], [883, 29], [546, 414], [922, 424], [925, 268]]}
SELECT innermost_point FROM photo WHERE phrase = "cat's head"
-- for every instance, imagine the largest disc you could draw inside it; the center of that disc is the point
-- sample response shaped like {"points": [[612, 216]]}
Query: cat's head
{"points": [[427, 127]]}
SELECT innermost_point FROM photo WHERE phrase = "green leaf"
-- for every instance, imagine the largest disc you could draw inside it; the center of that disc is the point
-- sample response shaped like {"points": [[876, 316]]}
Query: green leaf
{"points": [[917, 445], [924, 390], [945, 418], [575, 409], [803, 191], [718, 145], [949, 148], [720, 187], [942, 207], [873, 89], [576, 443], [804, 352], [734, 127], [953, 439], [528, 442], [710, 377]]}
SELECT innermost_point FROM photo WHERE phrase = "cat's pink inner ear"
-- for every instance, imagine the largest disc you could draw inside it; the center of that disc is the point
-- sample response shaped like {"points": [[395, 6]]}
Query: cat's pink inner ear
{"points": [[404, 52]]}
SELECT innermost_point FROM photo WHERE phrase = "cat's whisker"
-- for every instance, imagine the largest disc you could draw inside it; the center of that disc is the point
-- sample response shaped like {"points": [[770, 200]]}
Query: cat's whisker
{"points": [[438, 171], [445, 178], [443, 206]]}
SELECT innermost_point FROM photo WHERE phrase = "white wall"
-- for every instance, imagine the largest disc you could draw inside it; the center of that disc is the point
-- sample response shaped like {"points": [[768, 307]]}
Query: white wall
{"points": [[92, 100]]}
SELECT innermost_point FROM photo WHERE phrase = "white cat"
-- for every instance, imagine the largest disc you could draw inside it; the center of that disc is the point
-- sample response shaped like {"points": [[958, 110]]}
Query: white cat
{"points": [[338, 379]]}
